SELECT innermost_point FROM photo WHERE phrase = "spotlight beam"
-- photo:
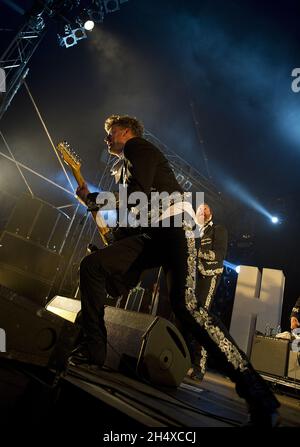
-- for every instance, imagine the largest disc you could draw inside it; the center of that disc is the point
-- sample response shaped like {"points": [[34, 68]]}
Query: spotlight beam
{"points": [[234, 267], [36, 173], [240, 192]]}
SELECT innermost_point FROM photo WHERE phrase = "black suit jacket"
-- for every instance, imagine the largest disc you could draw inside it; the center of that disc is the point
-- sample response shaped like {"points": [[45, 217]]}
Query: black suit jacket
{"points": [[212, 251], [146, 169]]}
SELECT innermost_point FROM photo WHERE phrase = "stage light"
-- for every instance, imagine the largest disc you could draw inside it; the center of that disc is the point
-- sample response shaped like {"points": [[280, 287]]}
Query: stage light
{"points": [[85, 20], [234, 267], [65, 307], [89, 25], [96, 13], [89, 17], [111, 6], [239, 191], [72, 35], [67, 41], [79, 33]]}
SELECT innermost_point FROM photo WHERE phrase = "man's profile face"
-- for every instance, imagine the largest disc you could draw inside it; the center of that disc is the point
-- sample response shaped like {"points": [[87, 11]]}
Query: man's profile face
{"points": [[203, 214], [294, 323], [116, 138]]}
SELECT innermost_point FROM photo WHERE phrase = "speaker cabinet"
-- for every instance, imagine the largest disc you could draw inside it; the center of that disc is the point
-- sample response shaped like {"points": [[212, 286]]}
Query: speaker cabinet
{"points": [[27, 267], [33, 334], [138, 343], [151, 346], [270, 355], [294, 365]]}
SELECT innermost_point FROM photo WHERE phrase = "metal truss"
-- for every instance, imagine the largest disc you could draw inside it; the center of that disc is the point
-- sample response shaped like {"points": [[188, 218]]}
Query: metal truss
{"points": [[188, 177], [14, 61]]}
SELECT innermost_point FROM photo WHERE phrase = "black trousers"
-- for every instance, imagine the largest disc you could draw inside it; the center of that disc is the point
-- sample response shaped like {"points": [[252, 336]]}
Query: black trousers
{"points": [[206, 287], [175, 251]]}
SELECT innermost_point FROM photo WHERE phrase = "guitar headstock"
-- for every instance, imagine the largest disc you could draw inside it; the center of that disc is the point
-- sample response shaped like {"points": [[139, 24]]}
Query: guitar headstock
{"points": [[69, 156]]}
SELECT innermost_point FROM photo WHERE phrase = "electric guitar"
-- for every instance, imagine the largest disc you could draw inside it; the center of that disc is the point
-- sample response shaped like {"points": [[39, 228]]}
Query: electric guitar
{"points": [[73, 161]]}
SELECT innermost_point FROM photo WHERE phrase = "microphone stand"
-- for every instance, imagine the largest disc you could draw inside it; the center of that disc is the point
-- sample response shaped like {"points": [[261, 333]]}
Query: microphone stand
{"points": [[155, 296]]}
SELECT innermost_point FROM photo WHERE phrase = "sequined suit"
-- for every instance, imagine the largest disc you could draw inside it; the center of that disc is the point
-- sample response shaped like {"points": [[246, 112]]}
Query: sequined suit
{"points": [[210, 255]]}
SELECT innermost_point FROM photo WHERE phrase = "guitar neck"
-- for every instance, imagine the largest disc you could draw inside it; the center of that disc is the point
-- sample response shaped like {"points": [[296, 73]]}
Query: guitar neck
{"points": [[78, 177], [102, 227]]}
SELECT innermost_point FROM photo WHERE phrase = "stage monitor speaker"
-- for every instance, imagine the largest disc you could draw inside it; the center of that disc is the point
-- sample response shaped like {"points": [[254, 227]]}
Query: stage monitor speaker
{"points": [[33, 334], [270, 355], [65, 307], [138, 343], [294, 365], [152, 346]]}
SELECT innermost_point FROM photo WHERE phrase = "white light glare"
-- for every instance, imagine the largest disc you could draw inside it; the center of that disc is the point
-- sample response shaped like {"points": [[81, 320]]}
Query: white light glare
{"points": [[274, 219], [89, 25], [233, 267]]}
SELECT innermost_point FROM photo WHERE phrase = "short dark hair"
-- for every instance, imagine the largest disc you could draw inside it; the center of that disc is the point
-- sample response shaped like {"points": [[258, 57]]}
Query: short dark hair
{"points": [[130, 122]]}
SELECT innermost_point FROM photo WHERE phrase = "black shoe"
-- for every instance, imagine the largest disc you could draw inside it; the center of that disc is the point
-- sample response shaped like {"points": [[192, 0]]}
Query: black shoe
{"points": [[258, 419], [81, 356], [195, 373], [262, 403]]}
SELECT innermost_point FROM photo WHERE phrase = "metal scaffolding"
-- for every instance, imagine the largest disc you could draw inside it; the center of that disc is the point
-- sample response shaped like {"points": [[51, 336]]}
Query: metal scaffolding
{"points": [[14, 61], [188, 177]]}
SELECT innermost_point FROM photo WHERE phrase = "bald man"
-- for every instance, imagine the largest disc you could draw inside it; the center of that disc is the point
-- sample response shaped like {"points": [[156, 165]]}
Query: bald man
{"points": [[211, 254], [295, 316]]}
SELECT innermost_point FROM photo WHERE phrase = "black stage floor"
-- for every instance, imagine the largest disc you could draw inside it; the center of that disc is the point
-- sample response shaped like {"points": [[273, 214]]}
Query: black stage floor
{"points": [[105, 404], [210, 403]]}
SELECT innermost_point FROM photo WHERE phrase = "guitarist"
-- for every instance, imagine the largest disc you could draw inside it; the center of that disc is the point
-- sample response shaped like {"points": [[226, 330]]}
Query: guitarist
{"points": [[143, 168]]}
